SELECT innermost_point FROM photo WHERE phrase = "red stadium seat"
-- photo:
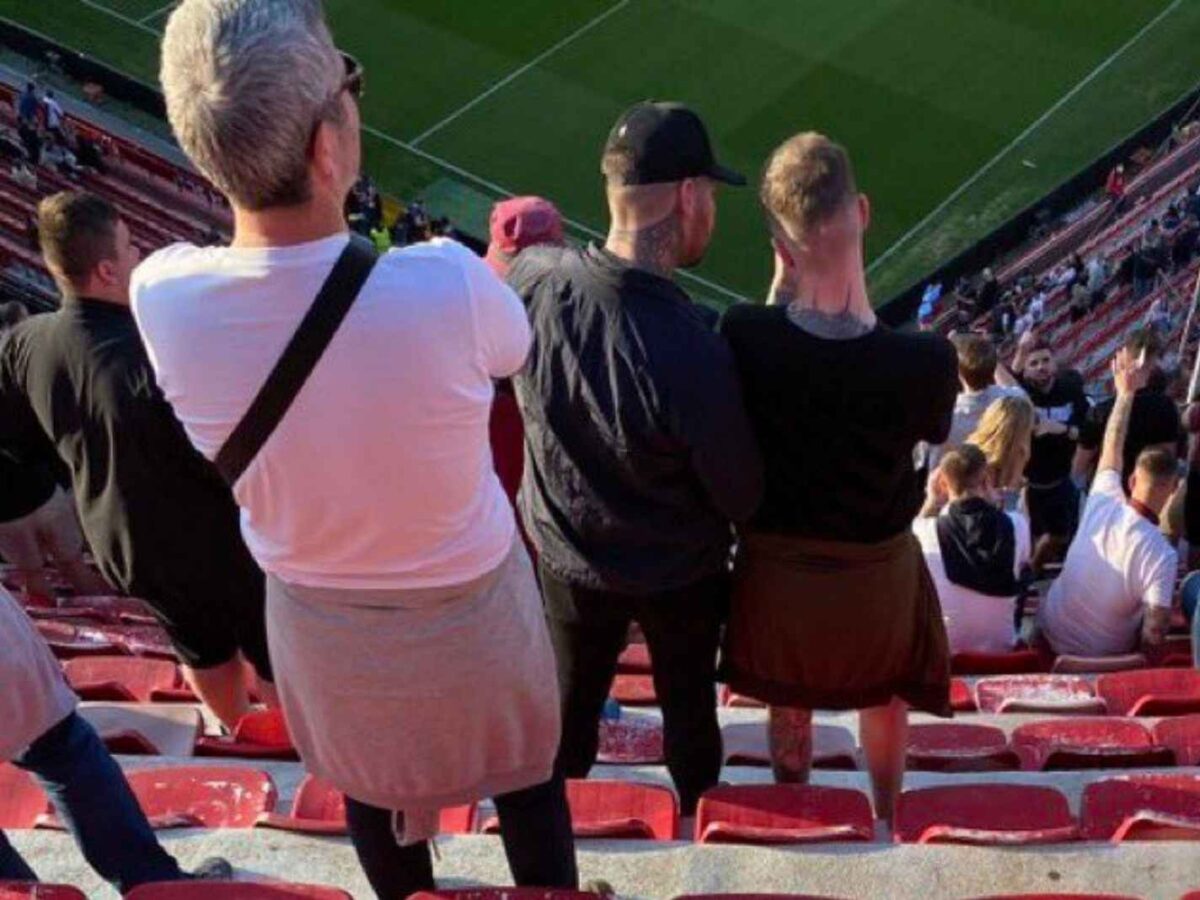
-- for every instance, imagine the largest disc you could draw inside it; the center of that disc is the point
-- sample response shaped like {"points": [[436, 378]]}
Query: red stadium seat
{"points": [[261, 734], [69, 641], [320, 808], [1093, 665], [21, 798], [1037, 693], [635, 660], [130, 679], [752, 897], [1016, 662], [1059, 897], [1088, 743], [234, 890], [726, 697], [834, 747], [956, 747], [28, 890], [631, 741], [1151, 692], [634, 690], [783, 814], [1142, 808], [962, 698], [482, 893], [617, 810], [199, 796], [985, 814], [1181, 734]]}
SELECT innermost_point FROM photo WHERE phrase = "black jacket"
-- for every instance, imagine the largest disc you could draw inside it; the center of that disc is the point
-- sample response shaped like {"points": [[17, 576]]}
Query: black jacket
{"points": [[639, 453]]}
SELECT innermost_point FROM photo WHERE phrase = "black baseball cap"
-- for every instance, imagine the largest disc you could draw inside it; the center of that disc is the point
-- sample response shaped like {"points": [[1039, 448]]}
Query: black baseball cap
{"points": [[666, 142]]}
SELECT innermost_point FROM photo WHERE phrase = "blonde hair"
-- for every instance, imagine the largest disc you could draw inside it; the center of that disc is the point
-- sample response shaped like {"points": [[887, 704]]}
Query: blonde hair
{"points": [[807, 181], [1005, 435]]}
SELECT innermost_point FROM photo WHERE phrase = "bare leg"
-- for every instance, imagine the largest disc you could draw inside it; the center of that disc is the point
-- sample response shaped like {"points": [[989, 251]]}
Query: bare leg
{"points": [[789, 737], [223, 689], [883, 733]]}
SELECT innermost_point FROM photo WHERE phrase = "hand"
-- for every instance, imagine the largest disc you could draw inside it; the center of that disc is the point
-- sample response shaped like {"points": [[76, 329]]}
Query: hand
{"points": [[1130, 373], [1049, 426]]}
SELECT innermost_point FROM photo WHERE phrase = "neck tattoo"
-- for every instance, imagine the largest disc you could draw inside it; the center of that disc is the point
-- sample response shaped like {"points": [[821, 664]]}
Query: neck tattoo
{"points": [[842, 325], [652, 248]]}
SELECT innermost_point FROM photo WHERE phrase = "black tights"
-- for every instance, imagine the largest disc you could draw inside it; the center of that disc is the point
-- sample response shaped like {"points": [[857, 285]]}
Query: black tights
{"points": [[535, 825]]}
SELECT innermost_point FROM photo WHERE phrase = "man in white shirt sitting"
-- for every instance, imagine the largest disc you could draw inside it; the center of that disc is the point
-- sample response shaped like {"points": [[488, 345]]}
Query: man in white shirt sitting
{"points": [[975, 553], [1119, 574]]}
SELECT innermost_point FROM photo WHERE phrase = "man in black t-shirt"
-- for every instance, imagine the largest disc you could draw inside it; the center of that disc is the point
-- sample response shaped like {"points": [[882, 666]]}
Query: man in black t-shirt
{"points": [[1154, 421], [162, 524], [1062, 408]]}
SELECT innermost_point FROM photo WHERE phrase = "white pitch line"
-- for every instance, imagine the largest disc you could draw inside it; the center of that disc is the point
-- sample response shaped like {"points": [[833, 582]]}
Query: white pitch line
{"points": [[517, 73], [158, 12], [990, 164], [446, 164]]}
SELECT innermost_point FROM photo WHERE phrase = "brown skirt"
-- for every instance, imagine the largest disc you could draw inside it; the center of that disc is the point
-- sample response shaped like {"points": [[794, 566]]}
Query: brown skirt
{"points": [[831, 625]]}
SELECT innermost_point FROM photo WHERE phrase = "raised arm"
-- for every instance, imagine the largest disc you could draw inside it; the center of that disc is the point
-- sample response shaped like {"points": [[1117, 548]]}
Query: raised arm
{"points": [[1129, 376]]}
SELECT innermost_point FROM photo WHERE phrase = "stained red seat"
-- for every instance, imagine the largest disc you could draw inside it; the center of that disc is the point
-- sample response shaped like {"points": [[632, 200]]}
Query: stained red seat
{"points": [[783, 814], [834, 747], [962, 698], [1037, 693], [129, 679], [635, 660], [1151, 692], [320, 808], [234, 890], [68, 641], [261, 734], [618, 810], [1088, 743], [1152, 807], [199, 796], [634, 690], [21, 798], [985, 814], [956, 747], [1015, 662], [1182, 735], [27, 890], [631, 741]]}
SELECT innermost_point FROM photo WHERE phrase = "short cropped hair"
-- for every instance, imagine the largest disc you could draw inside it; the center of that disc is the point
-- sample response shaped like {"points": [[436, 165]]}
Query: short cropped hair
{"points": [[977, 360], [77, 231], [964, 468], [246, 82], [1159, 465], [807, 180]]}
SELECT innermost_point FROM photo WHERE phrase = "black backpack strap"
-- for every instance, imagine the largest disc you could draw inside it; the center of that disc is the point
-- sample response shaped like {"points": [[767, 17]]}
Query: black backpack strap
{"points": [[298, 360]]}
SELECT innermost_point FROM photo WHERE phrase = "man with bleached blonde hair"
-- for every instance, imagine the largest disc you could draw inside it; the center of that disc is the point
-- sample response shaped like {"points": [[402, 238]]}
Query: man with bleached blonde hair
{"points": [[833, 607]]}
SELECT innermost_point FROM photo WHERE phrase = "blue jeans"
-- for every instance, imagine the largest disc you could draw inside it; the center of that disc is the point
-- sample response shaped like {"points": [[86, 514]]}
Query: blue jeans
{"points": [[94, 801]]}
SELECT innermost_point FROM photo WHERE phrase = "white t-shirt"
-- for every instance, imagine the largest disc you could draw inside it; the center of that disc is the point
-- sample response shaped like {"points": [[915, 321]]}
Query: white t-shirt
{"points": [[1118, 562], [380, 476], [54, 113], [975, 622]]}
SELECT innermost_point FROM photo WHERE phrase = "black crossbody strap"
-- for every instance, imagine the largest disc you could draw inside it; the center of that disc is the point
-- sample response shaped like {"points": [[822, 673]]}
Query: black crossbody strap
{"points": [[298, 360]]}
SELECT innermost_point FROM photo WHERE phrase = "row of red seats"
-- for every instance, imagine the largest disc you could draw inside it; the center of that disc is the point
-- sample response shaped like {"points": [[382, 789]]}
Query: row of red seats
{"points": [[1132, 807]]}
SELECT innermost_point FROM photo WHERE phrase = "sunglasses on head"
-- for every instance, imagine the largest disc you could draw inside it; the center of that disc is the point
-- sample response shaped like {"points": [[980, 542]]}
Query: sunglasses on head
{"points": [[354, 83]]}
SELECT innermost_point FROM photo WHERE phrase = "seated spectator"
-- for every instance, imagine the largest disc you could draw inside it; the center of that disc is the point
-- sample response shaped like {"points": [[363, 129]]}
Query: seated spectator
{"points": [[44, 735], [415, 668], [1187, 238], [1154, 422], [989, 292], [1081, 302], [1119, 575], [24, 175], [830, 552], [977, 361], [1004, 435], [975, 553], [1115, 187], [89, 154], [58, 155], [81, 390]]}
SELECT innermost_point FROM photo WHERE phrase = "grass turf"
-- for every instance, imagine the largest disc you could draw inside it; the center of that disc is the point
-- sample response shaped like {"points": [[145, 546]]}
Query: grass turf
{"points": [[923, 92]]}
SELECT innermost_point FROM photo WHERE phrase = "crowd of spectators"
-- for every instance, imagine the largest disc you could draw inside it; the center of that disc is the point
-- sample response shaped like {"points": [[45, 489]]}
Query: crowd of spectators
{"points": [[909, 490]]}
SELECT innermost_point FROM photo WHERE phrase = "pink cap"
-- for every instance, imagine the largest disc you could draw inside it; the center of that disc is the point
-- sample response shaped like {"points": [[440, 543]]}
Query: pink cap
{"points": [[519, 223]]}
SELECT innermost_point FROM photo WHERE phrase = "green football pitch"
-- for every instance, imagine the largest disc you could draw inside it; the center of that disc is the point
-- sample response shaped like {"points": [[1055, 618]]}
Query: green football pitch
{"points": [[957, 113]]}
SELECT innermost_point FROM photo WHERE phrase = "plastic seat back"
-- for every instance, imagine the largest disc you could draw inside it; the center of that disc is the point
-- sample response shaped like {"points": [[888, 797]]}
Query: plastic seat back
{"points": [[203, 796], [745, 744], [1089, 743], [1151, 692], [120, 678], [22, 800], [28, 890], [634, 690], [1148, 807], [1182, 735], [261, 734], [234, 890], [622, 809], [631, 741], [958, 747], [502, 894], [783, 814], [1015, 662], [985, 814], [1093, 665], [1067, 694]]}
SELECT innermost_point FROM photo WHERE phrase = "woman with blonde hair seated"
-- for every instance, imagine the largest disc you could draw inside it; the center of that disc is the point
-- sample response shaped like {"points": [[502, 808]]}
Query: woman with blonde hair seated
{"points": [[1005, 435]]}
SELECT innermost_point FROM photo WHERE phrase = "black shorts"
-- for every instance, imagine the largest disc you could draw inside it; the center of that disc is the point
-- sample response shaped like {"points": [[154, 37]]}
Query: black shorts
{"points": [[213, 615], [1053, 510]]}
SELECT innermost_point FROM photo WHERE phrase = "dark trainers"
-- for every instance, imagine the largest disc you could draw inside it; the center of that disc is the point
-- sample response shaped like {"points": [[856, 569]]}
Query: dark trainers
{"points": [[215, 868]]}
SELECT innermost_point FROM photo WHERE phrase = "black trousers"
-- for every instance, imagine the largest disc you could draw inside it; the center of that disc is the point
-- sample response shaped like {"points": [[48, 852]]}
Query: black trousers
{"points": [[588, 628], [535, 826]]}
